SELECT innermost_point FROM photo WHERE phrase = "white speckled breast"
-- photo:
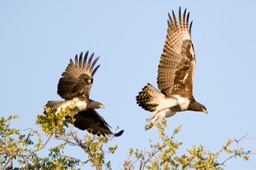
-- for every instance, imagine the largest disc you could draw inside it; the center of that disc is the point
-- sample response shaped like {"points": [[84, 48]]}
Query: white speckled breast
{"points": [[182, 102]]}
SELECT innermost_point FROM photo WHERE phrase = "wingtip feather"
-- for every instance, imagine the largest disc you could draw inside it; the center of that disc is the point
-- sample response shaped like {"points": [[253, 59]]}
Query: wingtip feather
{"points": [[80, 60], [118, 134], [174, 19], [89, 61], [94, 71], [85, 58]]}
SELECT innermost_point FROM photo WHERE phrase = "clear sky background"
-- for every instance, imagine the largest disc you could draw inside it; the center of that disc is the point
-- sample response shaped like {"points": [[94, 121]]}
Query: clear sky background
{"points": [[37, 39]]}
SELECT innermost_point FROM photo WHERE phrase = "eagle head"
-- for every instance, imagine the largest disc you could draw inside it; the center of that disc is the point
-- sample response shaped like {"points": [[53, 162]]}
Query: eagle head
{"points": [[95, 105], [86, 78], [196, 106]]}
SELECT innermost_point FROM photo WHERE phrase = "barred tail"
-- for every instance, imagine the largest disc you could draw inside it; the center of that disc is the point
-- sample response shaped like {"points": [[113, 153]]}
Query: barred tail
{"points": [[149, 98]]}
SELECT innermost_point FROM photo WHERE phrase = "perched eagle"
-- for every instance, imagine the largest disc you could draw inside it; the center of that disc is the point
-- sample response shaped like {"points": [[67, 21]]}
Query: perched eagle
{"points": [[175, 73], [74, 86]]}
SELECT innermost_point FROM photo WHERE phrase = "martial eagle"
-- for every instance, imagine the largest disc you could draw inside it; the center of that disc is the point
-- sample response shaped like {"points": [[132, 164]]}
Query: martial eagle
{"points": [[175, 73], [74, 86]]}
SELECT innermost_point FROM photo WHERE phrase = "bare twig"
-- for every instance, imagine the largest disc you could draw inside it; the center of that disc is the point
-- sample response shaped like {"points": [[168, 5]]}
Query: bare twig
{"points": [[8, 161], [50, 136], [237, 141], [234, 154]]}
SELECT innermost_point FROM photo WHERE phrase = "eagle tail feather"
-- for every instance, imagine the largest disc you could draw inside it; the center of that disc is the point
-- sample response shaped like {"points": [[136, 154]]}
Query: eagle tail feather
{"points": [[149, 97]]}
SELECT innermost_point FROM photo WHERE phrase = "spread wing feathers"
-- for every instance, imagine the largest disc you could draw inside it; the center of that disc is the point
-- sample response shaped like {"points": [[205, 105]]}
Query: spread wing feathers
{"points": [[91, 121], [177, 60], [149, 98], [76, 80]]}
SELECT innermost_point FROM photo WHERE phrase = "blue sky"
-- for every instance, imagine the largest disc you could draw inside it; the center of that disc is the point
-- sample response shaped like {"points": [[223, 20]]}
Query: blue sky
{"points": [[37, 39]]}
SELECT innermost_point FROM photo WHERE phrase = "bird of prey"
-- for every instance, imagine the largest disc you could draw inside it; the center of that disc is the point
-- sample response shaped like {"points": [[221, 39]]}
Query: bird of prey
{"points": [[175, 73], [74, 86]]}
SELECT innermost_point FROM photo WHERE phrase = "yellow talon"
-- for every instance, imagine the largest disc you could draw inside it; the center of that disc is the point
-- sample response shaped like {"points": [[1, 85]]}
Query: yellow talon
{"points": [[149, 125]]}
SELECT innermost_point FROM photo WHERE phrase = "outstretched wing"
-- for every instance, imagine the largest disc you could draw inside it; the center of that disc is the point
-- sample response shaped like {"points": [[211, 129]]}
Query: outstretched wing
{"points": [[177, 62], [77, 79], [91, 121]]}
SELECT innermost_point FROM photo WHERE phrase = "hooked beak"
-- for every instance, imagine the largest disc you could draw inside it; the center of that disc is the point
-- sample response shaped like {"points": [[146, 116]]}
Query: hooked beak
{"points": [[102, 106], [95, 105]]}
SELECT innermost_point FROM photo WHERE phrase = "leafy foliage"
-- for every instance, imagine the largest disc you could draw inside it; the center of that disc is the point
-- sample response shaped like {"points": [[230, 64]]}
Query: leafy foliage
{"points": [[163, 154], [21, 147], [52, 123], [15, 145]]}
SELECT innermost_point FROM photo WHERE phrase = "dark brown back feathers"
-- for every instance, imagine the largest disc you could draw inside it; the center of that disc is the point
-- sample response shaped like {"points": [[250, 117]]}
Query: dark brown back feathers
{"points": [[76, 80]]}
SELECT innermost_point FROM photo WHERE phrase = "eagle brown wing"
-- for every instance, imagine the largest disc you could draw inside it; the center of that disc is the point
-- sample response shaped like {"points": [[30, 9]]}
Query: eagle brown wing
{"points": [[177, 62], [93, 122], [77, 79]]}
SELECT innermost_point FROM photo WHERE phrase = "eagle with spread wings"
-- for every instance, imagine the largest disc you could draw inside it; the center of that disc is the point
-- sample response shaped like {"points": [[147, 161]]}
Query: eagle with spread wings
{"points": [[175, 73], [74, 87]]}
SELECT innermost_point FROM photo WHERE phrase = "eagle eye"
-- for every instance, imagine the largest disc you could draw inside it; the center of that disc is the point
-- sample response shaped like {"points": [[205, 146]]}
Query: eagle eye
{"points": [[88, 80], [191, 50]]}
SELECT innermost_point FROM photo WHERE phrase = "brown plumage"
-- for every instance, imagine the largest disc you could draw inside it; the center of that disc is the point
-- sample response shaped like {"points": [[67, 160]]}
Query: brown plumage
{"points": [[175, 73], [94, 123], [77, 79], [74, 86]]}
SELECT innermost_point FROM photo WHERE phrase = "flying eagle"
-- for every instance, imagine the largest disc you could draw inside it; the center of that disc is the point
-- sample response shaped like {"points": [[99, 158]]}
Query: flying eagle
{"points": [[175, 73], [74, 86]]}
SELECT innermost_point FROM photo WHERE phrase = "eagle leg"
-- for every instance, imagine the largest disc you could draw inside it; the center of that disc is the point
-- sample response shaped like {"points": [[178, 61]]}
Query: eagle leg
{"points": [[151, 117], [162, 113], [155, 116]]}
